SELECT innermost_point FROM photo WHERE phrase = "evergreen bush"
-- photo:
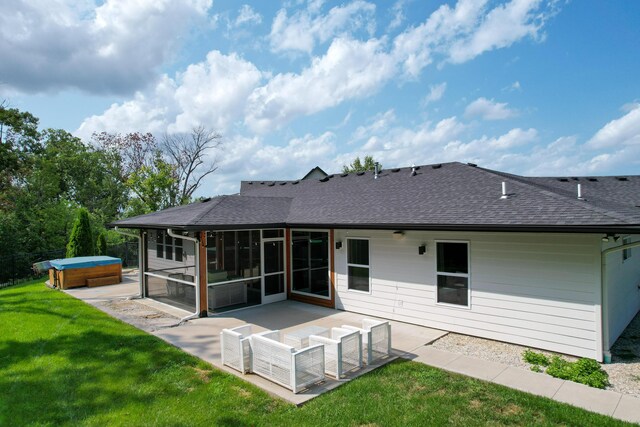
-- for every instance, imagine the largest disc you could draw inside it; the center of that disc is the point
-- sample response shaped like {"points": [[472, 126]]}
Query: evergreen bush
{"points": [[81, 240], [101, 244]]}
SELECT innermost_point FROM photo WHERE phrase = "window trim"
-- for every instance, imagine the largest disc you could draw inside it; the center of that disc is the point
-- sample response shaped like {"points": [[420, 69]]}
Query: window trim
{"points": [[330, 266], [467, 275], [161, 247], [348, 264]]}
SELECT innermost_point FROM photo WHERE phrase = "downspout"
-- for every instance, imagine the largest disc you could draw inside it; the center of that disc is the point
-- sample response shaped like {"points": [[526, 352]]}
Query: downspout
{"points": [[140, 261], [605, 297], [196, 242]]}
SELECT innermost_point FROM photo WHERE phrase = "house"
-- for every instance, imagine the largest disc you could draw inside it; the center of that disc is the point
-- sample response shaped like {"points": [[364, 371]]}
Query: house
{"points": [[550, 263]]}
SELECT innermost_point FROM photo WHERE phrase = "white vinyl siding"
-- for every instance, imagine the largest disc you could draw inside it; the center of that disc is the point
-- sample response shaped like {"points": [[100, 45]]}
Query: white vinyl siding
{"points": [[538, 290], [623, 287]]}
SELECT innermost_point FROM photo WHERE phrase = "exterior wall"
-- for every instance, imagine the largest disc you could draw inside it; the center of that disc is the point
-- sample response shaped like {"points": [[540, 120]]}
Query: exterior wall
{"points": [[186, 266], [538, 290], [623, 288]]}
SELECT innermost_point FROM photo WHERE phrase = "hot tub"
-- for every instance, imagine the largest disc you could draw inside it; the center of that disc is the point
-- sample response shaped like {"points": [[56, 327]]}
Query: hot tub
{"points": [[85, 271]]}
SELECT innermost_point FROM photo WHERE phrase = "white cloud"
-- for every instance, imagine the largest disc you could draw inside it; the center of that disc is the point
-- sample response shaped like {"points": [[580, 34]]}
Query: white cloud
{"points": [[248, 16], [397, 10], [467, 30], [213, 93], [305, 28], [350, 69], [501, 27], [249, 158], [488, 109], [436, 92], [102, 49], [378, 124], [624, 131]]}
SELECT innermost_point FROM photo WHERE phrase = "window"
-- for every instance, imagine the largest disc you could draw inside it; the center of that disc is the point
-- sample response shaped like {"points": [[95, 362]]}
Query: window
{"points": [[358, 264], [233, 255], [167, 247], [453, 273], [626, 253]]}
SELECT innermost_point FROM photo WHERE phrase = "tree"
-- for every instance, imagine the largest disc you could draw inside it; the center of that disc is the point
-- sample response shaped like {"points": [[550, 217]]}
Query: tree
{"points": [[188, 154], [101, 244], [357, 166], [81, 240], [159, 176]]}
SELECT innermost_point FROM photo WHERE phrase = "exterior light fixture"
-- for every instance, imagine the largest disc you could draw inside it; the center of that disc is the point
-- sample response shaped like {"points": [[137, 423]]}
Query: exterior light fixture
{"points": [[338, 245], [398, 235], [422, 249]]}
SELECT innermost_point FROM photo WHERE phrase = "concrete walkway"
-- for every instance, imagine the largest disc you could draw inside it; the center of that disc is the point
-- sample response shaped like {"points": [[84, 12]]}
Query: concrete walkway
{"points": [[616, 405], [200, 337]]}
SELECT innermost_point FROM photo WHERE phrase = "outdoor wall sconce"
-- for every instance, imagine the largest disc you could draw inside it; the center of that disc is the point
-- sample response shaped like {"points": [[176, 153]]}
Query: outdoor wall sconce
{"points": [[338, 245], [398, 235], [422, 249], [610, 236]]}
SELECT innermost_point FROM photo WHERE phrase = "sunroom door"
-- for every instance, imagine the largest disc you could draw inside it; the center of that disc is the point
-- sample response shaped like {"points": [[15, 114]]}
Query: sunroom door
{"points": [[273, 281]]}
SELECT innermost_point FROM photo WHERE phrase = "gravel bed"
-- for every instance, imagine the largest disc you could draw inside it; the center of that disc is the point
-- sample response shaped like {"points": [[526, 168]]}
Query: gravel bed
{"points": [[624, 371]]}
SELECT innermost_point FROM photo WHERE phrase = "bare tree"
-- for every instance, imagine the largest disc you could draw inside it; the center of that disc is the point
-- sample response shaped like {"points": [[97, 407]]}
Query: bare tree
{"points": [[191, 155]]}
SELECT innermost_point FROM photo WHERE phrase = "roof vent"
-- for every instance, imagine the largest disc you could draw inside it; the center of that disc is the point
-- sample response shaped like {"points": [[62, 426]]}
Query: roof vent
{"points": [[360, 173], [262, 183], [395, 170], [413, 170], [208, 199], [504, 191], [271, 184], [283, 183], [344, 174], [580, 192], [592, 179], [622, 178], [473, 165], [563, 179], [325, 179], [295, 182], [436, 166], [376, 170], [575, 178]]}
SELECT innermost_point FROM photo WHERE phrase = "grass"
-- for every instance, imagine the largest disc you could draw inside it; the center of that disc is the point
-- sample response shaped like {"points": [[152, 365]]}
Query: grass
{"points": [[62, 362]]}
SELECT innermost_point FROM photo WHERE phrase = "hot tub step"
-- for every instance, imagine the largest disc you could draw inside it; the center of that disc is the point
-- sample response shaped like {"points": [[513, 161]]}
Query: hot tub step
{"points": [[103, 281]]}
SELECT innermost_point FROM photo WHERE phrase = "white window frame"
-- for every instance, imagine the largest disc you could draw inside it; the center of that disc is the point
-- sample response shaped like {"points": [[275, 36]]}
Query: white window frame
{"points": [[467, 275], [368, 267], [172, 245], [307, 230]]}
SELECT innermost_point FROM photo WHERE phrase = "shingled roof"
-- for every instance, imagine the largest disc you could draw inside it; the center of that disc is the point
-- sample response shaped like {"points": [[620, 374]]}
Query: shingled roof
{"points": [[449, 196]]}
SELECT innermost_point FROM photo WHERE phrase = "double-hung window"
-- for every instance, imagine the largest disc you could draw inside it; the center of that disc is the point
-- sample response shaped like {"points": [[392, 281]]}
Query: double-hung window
{"points": [[453, 273], [358, 264]]}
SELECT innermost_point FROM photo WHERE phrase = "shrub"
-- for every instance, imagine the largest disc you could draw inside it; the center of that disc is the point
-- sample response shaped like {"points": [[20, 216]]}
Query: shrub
{"points": [[583, 371], [81, 240], [101, 244], [536, 368], [535, 358]]}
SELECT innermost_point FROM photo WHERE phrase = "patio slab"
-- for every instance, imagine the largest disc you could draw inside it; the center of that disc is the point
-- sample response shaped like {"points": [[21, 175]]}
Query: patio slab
{"points": [[201, 337], [628, 409]]}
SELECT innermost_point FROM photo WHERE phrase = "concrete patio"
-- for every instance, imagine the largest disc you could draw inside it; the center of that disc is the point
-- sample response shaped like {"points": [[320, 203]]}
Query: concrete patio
{"points": [[200, 337]]}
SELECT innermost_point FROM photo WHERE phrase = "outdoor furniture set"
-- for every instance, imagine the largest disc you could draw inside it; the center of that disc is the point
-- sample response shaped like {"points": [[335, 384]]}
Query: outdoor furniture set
{"points": [[302, 357]]}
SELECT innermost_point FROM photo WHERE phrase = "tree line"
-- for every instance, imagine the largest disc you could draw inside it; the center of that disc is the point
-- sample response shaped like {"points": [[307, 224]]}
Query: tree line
{"points": [[49, 176]]}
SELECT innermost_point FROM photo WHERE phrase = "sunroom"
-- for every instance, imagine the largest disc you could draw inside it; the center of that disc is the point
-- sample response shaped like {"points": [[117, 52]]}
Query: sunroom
{"points": [[242, 268]]}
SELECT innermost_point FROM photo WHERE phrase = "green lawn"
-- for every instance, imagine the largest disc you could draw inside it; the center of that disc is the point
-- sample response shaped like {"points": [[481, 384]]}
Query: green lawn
{"points": [[63, 362]]}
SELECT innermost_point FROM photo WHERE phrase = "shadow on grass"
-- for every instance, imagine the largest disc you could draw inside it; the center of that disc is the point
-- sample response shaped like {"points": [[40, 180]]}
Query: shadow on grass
{"points": [[70, 377]]}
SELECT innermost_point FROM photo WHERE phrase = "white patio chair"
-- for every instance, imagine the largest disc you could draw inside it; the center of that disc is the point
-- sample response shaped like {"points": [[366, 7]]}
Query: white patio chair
{"points": [[283, 364], [342, 351], [376, 339], [235, 348]]}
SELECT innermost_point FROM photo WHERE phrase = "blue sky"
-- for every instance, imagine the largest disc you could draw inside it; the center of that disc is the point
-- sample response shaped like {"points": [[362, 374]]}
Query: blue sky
{"points": [[525, 86]]}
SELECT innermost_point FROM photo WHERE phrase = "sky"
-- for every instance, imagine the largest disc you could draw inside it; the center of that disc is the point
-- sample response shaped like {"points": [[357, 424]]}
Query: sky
{"points": [[532, 87]]}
